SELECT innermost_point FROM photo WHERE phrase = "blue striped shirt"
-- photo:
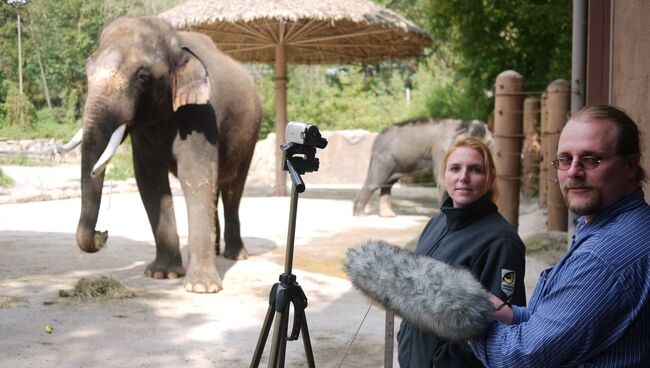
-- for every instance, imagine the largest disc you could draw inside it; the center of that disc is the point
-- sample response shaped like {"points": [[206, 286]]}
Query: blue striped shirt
{"points": [[593, 308]]}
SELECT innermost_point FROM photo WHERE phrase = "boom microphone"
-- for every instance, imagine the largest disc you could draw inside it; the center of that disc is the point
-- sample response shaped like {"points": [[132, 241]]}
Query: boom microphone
{"points": [[438, 298]]}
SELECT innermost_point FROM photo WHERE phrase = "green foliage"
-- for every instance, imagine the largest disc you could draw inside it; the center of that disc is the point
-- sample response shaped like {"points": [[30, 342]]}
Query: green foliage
{"points": [[121, 165], [355, 101], [20, 160], [61, 35], [474, 40], [443, 94], [488, 37], [5, 180], [17, 109]]}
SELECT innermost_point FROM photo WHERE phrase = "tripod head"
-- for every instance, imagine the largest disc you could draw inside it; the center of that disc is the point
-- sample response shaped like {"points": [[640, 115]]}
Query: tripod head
{"points": [[300, 151]]}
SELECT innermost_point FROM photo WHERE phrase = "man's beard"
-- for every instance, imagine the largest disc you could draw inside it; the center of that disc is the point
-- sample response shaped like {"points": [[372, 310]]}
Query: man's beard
{"points": [[590, 206]]}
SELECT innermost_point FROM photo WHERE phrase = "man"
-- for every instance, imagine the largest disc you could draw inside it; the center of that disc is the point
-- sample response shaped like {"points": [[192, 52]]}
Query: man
{"points": [[592, 309]]}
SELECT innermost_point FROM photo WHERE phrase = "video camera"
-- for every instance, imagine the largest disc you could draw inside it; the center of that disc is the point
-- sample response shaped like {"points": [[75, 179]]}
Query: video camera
{"points": [[304, 134], [300, 150]]}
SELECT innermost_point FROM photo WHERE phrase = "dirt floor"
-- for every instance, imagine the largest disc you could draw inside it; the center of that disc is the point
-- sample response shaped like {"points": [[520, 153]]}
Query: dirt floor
{"points": [[164, 326]]}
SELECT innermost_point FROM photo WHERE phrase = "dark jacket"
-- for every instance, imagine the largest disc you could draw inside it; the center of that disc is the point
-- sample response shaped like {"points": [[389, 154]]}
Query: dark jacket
{"points": [[479, 238]]}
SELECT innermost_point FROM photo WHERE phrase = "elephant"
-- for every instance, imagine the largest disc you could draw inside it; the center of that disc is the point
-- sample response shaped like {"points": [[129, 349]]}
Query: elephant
{"points": [[408, 148], [191, 111]]}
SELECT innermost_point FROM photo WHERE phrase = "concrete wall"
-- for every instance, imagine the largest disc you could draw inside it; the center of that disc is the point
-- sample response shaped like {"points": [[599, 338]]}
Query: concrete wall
{"points": [[630, 66]]}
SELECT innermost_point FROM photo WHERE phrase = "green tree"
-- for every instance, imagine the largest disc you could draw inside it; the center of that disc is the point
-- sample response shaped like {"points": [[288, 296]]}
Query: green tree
{"points": [[475, 40], [529, 36], [62, 34], [357, 101]]}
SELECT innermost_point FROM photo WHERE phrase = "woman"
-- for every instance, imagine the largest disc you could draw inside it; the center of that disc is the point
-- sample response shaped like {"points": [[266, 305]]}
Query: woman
{"points": [[468, 232]]}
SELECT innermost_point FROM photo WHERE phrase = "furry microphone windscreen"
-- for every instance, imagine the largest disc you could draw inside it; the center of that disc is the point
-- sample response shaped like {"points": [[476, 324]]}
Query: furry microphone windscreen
{"points": [[437, 298]]}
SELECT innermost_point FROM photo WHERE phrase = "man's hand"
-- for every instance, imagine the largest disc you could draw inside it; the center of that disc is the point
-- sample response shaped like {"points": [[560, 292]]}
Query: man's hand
{"points": [[503, 315]]}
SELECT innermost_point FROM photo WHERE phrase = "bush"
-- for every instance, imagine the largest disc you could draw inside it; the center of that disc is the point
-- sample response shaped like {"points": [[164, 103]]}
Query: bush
{"points": [[356, 100], [121, 166], [17, 108], [5, 180], [446, 96]]}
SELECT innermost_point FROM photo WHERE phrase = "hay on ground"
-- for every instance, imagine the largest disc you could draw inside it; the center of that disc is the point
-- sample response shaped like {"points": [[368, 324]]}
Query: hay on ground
{"points": [[7, 301], [98, 287]]}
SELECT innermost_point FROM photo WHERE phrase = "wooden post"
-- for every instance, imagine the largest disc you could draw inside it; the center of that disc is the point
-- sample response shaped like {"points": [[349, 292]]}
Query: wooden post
{"points": [[544, 161], [280, 116], [508, 137], [559, 104], [389, 343], [20, 68], [532, 145], [46, 90]]}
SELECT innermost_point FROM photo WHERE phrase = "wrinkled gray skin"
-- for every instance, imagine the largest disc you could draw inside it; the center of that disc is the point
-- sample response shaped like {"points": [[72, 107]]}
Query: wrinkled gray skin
{"points": [[410, 148], [191, 111]]}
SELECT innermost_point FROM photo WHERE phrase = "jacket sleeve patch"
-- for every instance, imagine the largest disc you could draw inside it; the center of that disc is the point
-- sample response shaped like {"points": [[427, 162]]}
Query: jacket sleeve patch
{"points": [[508, 282]]}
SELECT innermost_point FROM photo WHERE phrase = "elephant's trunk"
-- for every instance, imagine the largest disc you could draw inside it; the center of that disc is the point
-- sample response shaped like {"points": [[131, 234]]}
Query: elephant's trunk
{"points": [[91, 197], [100, 141]]}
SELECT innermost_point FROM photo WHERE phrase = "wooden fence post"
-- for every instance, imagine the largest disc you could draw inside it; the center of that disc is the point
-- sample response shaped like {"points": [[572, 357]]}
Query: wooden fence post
{"points": [[532, 146], [508, 137], [544, 161], [559, 104]]}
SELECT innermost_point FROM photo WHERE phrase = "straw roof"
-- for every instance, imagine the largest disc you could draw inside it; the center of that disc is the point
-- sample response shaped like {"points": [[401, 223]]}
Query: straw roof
{"points": [[314, 31]]}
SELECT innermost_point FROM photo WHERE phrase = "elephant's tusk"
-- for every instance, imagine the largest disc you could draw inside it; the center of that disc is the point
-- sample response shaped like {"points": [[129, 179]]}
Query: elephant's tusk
{"points": [[74, 142], [110, 150]]}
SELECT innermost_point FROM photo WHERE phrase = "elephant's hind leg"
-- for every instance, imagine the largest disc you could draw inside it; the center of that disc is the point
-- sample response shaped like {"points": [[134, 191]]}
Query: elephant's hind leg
{"points": [[385, 205], [231, 193]]}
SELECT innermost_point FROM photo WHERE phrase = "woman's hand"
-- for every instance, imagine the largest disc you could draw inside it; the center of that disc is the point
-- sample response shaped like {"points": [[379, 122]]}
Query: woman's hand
{"points": [[503, 315]]}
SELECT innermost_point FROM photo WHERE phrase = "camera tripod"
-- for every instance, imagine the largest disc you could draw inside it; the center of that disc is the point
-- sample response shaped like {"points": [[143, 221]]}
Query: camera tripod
{"points": [[287, 291]]}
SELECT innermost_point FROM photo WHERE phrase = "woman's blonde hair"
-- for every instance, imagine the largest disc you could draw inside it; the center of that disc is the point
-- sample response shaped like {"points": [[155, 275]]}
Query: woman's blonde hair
{"points": [[482, 148]]}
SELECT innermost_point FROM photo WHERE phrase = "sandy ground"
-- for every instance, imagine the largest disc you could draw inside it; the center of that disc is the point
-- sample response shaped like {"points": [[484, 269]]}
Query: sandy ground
{"points": [[164, 326]]}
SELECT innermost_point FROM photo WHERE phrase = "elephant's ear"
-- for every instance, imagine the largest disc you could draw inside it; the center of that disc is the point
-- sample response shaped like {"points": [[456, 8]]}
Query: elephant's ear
{"points": [[190, 84]]}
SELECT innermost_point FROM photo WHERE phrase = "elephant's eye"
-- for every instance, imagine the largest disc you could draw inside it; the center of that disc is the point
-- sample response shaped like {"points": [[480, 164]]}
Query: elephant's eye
{"points": [[143, 76]]}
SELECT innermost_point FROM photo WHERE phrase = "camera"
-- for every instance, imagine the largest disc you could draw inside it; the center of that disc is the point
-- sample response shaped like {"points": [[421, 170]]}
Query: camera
{"points": [[304, 134]]}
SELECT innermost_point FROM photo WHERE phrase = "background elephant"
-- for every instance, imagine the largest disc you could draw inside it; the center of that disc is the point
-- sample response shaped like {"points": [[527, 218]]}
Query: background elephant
{"points": [[411, 147], [190, 110]]}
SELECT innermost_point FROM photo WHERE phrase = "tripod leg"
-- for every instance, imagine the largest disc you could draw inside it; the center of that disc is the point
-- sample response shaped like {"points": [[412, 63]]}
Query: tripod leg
{"points": [[283, 346], [268, 320], [279, 339], [309, 353]]}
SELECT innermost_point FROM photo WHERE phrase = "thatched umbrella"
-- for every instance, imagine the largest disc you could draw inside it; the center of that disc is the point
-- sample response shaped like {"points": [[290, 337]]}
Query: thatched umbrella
{"points": [[301, 32]]}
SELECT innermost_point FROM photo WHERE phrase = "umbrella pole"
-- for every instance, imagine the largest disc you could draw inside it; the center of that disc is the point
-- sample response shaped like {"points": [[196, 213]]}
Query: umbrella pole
{"points": [[280, 116]]}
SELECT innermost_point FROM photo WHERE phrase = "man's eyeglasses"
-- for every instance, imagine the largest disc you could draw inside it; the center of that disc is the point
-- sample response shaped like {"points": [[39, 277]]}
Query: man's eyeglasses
{"points": [[585, 162]]}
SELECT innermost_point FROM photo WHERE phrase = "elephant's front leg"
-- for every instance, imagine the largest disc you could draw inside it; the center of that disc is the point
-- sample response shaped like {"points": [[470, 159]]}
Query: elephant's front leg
{"points": [[153, 183], [198, 179], [379, 172], [362, 199]]}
